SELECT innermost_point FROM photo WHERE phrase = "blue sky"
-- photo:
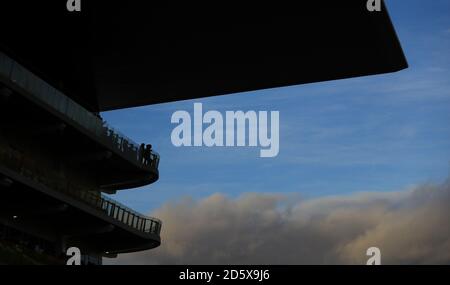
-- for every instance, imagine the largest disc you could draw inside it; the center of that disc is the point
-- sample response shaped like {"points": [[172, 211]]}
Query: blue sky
{"points": [[378, 133]]}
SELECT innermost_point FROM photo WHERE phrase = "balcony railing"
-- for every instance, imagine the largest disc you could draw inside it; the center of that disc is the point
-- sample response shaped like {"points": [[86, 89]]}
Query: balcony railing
{"points": [[120, 212], [23, 165], [74, 114]]}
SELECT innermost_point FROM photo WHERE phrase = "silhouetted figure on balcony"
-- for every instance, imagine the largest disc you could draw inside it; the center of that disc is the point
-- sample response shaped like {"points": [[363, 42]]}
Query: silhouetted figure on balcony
{"points": [[141, 153], [148, 153]]}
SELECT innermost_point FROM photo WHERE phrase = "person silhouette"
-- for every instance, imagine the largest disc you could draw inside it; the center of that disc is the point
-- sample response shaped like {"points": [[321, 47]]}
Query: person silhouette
{"points": [[148, 152], [141, 153]]}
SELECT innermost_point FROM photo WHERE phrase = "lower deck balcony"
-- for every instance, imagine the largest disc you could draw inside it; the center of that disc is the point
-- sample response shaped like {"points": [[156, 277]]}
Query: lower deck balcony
{"points": [[50, 208]]}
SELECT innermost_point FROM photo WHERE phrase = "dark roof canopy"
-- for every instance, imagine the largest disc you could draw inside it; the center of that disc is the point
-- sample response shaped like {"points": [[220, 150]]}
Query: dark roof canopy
{"points": [[121, 54]]}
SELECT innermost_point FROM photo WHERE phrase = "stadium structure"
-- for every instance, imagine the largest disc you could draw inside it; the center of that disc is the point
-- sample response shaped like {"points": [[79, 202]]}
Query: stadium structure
{"points": [[60, 162]]}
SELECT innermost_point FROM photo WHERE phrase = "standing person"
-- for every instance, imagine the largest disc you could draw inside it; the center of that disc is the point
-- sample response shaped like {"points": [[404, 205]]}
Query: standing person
{"points": [[141, 153], [148, 152]]}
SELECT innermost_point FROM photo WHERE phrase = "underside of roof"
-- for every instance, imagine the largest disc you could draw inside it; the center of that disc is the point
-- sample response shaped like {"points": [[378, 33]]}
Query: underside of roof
{"points": [[134, 53]]}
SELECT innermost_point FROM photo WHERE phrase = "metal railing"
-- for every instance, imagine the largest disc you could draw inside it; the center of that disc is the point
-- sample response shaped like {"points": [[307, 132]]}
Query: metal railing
{"points": [[121, 213], [74, 114], [49, 178]]}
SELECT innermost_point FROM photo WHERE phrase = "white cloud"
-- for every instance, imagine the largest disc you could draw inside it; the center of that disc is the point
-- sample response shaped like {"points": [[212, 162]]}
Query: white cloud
{"points": [[410, 227]]}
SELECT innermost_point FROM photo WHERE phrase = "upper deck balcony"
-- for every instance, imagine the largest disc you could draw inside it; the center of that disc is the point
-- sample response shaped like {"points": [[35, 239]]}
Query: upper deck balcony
{"points": [[59, 157], [139, 166]]}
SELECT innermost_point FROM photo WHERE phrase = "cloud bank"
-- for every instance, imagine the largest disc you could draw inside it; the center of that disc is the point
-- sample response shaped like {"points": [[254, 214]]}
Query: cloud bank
{"points": [[409, 227]]}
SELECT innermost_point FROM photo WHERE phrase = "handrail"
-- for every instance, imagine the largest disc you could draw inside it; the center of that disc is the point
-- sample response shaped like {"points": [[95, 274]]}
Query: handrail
{"points": [[110, 207], [71, 112], [122, 213]]}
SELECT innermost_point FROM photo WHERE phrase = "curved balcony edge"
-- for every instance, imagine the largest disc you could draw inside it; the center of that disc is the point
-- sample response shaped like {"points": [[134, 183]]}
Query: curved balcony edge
{"points": [[23, 81]]}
